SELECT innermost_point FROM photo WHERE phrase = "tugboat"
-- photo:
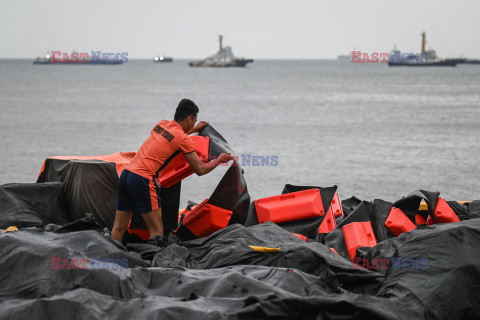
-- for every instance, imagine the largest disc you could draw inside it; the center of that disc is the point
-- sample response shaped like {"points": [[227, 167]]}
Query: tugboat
{"points": [[424, 59], [162, 59], [223, 58]]}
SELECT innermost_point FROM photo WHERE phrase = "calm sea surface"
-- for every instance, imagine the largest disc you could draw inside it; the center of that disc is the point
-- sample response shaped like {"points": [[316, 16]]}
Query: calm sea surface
{"points": [[375, 131]]}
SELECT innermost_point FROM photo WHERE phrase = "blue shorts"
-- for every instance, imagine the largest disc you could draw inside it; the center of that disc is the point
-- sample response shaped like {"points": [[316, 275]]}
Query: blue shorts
{"points": [[137, 192]]}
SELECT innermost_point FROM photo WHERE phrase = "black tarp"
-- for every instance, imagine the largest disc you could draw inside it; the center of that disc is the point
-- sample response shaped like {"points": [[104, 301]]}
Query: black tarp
{"points": [[32, 205], [90, 186], [220, 276], [231, 192]]}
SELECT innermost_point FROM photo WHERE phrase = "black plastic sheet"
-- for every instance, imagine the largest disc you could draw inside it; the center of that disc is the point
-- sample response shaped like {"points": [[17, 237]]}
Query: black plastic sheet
{"points": [[222, 277], [32, 205], [90, 186]]}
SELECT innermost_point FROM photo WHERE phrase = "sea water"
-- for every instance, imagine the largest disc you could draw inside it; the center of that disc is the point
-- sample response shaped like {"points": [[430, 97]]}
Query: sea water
{"points": [[373, 130]]}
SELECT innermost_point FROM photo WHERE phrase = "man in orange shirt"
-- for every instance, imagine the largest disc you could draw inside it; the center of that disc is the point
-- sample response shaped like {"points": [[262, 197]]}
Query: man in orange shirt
{"points": [[137, 188]]}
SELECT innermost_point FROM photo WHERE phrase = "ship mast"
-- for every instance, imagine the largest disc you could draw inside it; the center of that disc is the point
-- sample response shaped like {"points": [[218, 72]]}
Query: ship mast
{"points": [[220, 40], [423, 42]]}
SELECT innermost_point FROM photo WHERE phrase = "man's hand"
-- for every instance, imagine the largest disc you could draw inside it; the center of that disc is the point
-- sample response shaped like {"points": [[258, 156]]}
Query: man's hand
{"points": [[225, 157], [203, 168], [199, 126]]}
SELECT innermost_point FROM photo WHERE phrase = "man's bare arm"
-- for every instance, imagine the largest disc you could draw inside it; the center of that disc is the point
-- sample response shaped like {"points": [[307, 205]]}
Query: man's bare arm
{"points": [[201, 168]]}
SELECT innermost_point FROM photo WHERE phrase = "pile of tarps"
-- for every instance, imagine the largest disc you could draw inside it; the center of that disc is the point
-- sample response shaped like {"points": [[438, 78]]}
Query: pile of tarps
{"points": [[76, 270], [90, 183], [62, 262]]}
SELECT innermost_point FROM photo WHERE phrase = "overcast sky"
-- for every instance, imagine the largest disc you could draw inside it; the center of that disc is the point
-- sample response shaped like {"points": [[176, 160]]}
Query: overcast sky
{"points": [[259, 29]]}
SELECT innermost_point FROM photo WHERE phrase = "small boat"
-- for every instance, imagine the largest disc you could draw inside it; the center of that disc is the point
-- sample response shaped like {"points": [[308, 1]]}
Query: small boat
{"points": [[162, 59], [222, 59]]}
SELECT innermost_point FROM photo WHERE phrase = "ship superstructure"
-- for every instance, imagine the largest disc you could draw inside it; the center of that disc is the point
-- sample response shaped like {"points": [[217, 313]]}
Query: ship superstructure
{"points": [[223, 58]]}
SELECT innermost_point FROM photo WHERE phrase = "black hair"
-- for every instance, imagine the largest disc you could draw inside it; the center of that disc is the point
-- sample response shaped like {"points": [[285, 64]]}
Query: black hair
{"points": [[185, 109]]}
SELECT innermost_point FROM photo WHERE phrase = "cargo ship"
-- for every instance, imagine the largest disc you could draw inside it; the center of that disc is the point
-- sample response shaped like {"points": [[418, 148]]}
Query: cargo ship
{"points": [[222, 59], [424, 59]]}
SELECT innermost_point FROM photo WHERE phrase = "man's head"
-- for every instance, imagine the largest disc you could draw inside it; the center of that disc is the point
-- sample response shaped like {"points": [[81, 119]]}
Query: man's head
{"points": [[186, 114]]}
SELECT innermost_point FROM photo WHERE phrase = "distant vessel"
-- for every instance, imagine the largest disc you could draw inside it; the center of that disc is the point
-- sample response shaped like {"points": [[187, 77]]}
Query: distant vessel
{"points": [[346, 56], [43, 60], [424, 59], [470, 61], [161, 59], [47, 59], [223, 58]]}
